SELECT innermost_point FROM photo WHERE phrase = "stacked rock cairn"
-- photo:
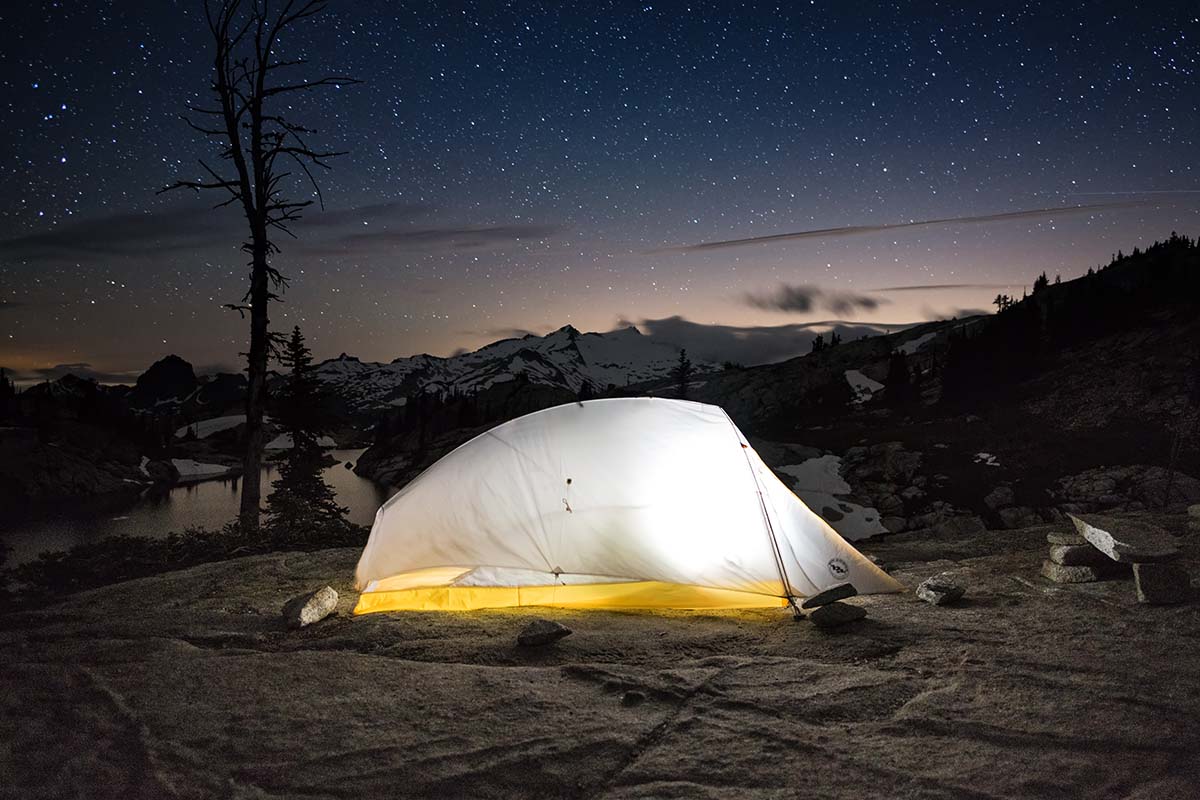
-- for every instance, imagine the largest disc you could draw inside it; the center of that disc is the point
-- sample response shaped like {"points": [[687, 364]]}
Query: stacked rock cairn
{"points": [[1099, 547]]}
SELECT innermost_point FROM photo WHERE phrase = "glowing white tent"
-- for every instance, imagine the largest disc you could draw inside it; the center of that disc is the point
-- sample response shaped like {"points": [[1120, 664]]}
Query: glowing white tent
{"points": [[638, 502]]}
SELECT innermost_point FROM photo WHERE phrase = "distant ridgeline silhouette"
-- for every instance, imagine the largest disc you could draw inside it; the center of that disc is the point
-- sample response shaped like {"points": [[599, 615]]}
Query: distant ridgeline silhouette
{"points": [[986, 359]]}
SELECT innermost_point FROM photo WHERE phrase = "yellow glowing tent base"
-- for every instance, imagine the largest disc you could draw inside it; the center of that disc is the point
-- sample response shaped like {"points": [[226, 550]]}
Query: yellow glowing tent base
{"points": [[628, 503], [639, 594]]}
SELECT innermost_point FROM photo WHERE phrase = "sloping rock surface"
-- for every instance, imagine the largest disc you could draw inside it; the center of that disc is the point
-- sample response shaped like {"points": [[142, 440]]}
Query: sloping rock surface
{"points": [[189, 684]]}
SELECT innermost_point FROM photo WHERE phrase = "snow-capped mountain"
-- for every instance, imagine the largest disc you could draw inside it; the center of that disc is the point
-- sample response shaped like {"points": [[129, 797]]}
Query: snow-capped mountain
{"points": [[565, 358]]}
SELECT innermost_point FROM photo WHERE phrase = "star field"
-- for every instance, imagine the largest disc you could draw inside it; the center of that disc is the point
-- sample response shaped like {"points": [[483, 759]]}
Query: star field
{"points": [[519, 166]]}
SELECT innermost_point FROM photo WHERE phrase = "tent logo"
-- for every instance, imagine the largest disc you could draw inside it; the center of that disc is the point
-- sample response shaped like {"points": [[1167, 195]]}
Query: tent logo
{"points": [[838, 568]]}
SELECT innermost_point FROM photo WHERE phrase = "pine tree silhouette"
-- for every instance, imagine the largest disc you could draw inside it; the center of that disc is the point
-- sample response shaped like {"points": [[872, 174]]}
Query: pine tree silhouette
{"points": [[683, 375], [303, 508]]}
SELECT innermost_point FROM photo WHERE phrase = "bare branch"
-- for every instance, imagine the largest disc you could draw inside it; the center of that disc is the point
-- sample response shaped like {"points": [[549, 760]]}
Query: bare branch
{"points": [[271, 91]]}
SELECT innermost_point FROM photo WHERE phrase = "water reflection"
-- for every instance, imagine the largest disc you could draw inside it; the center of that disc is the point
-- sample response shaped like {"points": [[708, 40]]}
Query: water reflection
{"points": [[209, 505]]}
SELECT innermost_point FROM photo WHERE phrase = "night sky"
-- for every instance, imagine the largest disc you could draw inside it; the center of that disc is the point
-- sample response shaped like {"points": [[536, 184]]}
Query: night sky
{"points": [[520, 166]]}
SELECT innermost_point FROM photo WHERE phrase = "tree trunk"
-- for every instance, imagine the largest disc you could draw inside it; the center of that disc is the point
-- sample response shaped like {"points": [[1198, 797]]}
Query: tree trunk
{"points": [[256, 393]]}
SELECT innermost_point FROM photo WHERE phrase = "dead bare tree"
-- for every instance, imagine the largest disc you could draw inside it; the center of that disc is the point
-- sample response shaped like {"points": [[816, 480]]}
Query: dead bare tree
{"points": [[261, 147]]}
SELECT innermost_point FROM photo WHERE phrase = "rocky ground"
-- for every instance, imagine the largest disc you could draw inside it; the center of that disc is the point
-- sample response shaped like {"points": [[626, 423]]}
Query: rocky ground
{"points": [[189, 684]]}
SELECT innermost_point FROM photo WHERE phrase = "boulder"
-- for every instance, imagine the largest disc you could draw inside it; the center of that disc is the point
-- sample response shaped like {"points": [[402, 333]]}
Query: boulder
{"points": [[1064, 574], [888, 505], [305, 609], [1066, 537], [941, 589], [633, 698], [839, 592], [1078, 555], [1125, 540], [1194, 511], [887, 461], [1125, 488], [834, 615], [1162, 584], [542, 632], [1000, 497], [1015, 517]]}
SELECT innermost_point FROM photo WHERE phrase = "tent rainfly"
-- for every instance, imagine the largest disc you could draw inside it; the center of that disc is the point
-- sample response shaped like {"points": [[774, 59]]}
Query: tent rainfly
{"points": [[630, 502]]}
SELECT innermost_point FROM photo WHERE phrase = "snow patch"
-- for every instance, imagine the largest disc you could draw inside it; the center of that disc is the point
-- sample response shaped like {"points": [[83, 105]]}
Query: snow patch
{"points": [[986, 459], [207, 427], [142, 466], [864, 388], [818, 482], [822, 474], [189, 468], [908, 348]]}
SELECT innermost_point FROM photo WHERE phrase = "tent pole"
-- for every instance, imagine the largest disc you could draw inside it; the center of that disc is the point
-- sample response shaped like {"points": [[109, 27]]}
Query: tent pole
{"points": [[762, 504]]}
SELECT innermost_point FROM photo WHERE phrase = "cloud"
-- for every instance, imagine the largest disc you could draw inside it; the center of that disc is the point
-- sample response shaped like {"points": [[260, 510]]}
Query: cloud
{"points": [[432, 239], [499, 334], [855, 230], [936, 287], [183, 229], [390, 212], [803, 299], [750, 344], [121, 234]]}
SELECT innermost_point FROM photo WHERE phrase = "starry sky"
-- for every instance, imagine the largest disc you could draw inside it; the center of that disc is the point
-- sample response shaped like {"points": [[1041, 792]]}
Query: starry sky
{"points": [[518, 166]]}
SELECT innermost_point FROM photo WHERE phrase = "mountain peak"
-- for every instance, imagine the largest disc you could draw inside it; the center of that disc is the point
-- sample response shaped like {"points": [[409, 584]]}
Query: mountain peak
{"points": [[169, 378], [564, 358]]}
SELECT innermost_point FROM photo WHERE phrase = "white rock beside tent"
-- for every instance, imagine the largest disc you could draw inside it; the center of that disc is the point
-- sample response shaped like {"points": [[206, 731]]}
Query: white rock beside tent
{"points": [[311, 607]]}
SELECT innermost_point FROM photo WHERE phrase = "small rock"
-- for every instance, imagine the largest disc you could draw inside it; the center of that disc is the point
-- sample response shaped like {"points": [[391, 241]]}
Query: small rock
{"points": [[305, 609], [1078, 555], [1126, 541], [1161, 584], [941, 589], [835, 615], [542, 631], [1066, 537], [839, 592], [1064, 574], [633, 698]]}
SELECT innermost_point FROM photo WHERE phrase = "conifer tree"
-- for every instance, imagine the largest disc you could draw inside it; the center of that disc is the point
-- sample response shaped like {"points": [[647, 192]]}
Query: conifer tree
{"points": [[683, 374], [303, 508], [8, 392]]}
